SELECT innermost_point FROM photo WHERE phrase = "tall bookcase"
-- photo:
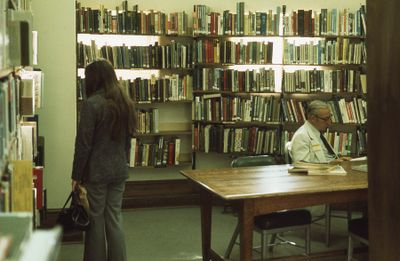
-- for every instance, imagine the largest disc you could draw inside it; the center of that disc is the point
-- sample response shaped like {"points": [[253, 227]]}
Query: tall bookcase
{"points": [[255, 72], [242, 87], [152, 55], [20, 96]]}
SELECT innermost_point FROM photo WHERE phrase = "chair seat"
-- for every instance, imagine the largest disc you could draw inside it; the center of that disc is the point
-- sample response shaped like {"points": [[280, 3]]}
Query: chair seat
{"points": [[359, 227], [296, 217]]}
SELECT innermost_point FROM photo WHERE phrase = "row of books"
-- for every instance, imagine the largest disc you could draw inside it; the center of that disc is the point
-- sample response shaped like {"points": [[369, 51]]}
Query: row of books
{"points": [[231, 52], [325, 22], [353, 111], [174, 55], [279, 22], [121, 20], [221, 108], [206, 22], [330, 81], [222, 139], [219, 79], [22, 5], [161, 153], [215, 51], [338, 51], [173, 87], [9, 115], [147, 120]]}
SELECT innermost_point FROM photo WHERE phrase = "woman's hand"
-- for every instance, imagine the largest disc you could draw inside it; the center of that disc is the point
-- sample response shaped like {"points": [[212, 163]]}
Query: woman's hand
{"points": [[74, 184]]}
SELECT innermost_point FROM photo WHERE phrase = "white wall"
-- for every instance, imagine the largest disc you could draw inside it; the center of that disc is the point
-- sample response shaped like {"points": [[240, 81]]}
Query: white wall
{"points": [[55, 21]]}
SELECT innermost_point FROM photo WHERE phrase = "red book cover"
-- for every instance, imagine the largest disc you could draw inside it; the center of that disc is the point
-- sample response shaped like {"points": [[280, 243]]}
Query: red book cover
{"points": [[294, 23], [195, 138], [38, 183], [252, 135], [171, 153]]}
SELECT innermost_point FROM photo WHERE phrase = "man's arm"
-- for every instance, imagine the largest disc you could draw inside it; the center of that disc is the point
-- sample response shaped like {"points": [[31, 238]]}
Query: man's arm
{"points": [[300, 148]]}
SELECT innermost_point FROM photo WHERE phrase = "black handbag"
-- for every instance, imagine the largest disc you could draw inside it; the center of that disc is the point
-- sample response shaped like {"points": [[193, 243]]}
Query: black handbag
{"points": [[75, 217]]}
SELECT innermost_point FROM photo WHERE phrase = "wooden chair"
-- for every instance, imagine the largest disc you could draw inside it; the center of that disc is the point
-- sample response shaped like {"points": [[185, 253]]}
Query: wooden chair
{"points": [[273, 223], [358, 230]]}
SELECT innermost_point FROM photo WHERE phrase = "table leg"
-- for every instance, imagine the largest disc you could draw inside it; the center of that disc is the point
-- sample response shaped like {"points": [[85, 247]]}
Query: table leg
{"points": [[206, 206], [246, 223]]}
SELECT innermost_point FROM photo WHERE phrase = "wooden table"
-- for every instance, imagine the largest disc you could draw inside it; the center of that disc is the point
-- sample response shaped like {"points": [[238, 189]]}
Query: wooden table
{"points": [[261, 190]]}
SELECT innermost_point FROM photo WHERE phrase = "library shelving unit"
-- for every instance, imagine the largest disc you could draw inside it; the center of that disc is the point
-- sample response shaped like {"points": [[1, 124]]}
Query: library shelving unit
{"points": [[20, 96], [243, 78], [152, 55], [255, 72]]}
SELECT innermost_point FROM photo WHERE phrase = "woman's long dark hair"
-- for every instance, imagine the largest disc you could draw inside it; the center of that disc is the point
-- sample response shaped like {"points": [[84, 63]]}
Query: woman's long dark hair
{"points": [[100, 75]]}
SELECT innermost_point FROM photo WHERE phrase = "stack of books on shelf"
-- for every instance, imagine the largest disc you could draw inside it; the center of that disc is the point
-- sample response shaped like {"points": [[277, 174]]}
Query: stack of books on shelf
{"points": [[326, 81], [162, 153], [174, 55], [248, 93], [232, 80], [122, 20]]}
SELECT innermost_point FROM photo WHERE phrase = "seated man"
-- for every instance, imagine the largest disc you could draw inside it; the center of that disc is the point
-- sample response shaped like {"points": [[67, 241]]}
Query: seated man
{"points": [[308, 143]]}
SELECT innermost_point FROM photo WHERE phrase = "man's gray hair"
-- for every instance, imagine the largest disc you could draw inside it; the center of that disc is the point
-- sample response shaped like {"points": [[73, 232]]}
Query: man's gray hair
{"points": [[314, 107]]}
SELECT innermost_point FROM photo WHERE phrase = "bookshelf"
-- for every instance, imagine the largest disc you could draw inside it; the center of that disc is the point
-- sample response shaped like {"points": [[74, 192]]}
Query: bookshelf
{"points": [[20, 96], [152, 54], [255, 71], [241, 66]]}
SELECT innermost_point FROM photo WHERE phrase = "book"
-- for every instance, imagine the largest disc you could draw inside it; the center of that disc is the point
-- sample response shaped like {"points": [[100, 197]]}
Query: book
{"points": [[177, 150], [132, 154], [363, 81], [38, 184], [21, 184], [316, 169]]}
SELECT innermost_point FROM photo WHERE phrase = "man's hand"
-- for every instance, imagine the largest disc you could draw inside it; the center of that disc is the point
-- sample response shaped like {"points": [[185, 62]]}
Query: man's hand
{"points": [[339, 160]]}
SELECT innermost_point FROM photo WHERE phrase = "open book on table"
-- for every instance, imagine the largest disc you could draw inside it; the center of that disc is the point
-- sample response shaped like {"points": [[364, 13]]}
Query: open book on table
{"points": [[308, 168]]}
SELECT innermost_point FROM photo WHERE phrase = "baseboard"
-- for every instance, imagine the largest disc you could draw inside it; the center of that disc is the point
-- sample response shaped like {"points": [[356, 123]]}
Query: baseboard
{"points": [[159, 193]]}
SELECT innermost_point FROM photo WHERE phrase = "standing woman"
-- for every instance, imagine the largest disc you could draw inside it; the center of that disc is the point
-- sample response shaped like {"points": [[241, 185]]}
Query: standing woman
{"points": [[107, 123]]}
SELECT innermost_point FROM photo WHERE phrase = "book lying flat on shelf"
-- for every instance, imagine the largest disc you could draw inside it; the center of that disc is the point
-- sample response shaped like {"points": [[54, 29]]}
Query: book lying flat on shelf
{"points": [[308, 168]]}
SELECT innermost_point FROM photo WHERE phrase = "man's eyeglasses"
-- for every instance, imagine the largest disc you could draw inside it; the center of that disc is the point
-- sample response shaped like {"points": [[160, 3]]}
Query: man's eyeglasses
{"points": [[328, 118]]}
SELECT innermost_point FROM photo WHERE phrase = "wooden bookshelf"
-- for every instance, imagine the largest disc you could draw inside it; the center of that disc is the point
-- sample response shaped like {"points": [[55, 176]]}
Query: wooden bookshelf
{"points": [[217, 49], [299, 50]]}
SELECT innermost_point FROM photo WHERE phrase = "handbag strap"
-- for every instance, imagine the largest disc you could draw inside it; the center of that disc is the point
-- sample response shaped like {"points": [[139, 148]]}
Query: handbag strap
{"points": [[68, 199]]}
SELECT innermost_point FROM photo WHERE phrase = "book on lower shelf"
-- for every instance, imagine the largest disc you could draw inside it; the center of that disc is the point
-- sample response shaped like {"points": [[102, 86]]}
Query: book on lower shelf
{"points": [[314, 169]]}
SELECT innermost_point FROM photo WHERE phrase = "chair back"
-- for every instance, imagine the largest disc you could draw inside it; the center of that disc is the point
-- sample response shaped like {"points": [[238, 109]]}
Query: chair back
{"points": [[287, 153], [252, 161]]}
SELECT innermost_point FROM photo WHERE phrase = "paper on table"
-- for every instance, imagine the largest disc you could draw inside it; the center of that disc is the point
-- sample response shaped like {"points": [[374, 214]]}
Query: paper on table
{"points": [[359, 158], [317, 169]]}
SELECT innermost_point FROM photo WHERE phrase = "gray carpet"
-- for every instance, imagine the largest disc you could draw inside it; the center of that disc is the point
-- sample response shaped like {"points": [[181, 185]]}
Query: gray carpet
{"points": [[168, 234]]}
